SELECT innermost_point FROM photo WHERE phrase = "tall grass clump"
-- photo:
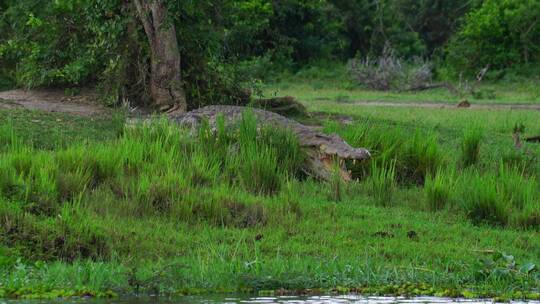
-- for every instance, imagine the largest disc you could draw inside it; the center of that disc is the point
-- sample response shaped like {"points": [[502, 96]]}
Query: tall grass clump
{"points": [[69, 235], [481, 201], [336, 183], [8, 136], [258, 170], [470, 146], [419, 157], [528, 217], [516, 187], [522, 192], [289, 154], [439, 189], [382, 182], [504, 198], [415, 156], [11, 184], [265, 156]]}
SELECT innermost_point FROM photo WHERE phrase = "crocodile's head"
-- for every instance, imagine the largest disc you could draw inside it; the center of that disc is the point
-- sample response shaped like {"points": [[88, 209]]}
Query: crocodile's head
{"points": [[337, 148], [331, 150]]}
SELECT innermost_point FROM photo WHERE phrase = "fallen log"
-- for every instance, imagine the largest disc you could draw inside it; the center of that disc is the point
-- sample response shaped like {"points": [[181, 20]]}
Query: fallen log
{"points": [[533, 139], [430, 86], [322, 150]]}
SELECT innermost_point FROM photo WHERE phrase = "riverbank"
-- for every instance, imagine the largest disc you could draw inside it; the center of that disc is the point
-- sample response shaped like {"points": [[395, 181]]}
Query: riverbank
{"points": [[90, 208]]}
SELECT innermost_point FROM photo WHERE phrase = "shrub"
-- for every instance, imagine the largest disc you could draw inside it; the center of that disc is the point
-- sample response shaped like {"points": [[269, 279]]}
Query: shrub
{"points": [[389, 72], [501, 33], [470, 147]]}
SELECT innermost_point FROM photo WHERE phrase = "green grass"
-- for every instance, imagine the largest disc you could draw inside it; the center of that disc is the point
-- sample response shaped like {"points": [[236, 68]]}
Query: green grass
{"points": [[88, 207], [55, 129], [332, 84], [470, 148], [439, 189]]}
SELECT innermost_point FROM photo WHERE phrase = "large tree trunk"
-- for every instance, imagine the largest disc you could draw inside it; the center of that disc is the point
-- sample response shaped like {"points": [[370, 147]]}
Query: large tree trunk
{"points": [[166, 85]]}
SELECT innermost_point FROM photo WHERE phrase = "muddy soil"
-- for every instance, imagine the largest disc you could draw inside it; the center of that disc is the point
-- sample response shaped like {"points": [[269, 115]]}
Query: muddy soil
{"points": [[85, 104]]}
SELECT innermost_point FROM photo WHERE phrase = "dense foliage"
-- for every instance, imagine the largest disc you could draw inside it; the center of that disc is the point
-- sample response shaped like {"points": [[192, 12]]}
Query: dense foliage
{"points": [[501, 33], [226, 44]]}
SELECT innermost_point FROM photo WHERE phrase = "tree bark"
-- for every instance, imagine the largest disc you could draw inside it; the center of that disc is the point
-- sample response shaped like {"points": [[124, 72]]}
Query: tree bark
{"points": [[166, 87]]}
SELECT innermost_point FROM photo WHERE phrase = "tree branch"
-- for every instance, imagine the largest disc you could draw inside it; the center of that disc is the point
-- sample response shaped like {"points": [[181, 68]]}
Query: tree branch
{"points": [[142, 10]]}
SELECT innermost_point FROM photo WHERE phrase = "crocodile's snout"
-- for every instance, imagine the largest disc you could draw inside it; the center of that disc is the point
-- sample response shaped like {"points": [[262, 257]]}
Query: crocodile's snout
{"points": [[356, 154], [343, 150]]}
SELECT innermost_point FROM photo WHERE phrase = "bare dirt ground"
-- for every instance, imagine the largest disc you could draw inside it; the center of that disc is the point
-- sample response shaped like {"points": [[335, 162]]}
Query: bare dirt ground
{"points": [[85, 104]]}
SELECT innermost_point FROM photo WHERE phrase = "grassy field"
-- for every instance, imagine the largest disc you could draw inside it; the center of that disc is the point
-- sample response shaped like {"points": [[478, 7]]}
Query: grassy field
{"points": [[333, 84], [447, 207]]}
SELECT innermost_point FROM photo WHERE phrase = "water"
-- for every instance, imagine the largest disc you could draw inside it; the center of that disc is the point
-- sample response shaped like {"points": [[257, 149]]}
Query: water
{"points": [[248, 300]]}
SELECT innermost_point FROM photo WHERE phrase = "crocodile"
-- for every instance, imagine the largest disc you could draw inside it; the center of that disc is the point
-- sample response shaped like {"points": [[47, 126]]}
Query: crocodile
{"points": [[322, 150]]}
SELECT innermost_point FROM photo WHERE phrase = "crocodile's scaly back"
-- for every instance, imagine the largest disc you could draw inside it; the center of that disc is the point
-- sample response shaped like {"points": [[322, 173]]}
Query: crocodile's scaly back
{"points": [[321, 148]]}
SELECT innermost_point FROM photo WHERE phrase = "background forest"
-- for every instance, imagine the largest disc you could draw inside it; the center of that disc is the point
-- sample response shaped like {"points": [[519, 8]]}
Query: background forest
{"points": [[228, 47]]}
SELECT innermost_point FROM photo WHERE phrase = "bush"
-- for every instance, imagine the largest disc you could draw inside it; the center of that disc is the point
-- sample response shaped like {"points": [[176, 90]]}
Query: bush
{"points": [[500, 33], [389, 72]]}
